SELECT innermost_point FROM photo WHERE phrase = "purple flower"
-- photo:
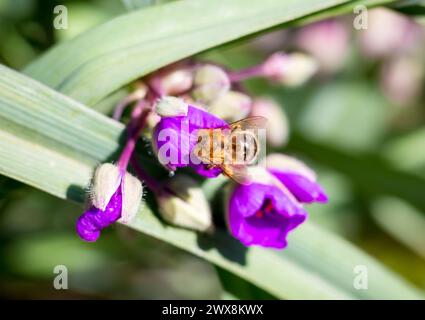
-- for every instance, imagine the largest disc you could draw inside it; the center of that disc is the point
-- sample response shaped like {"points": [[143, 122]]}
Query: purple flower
{"points": [[263, 212], [174, 138], [297, 178]]}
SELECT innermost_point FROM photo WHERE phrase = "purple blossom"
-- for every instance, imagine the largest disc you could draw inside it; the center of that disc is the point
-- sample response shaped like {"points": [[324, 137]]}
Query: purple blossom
{"points": [[296, 177], [175, 137], [92, 221], [263, 212]]}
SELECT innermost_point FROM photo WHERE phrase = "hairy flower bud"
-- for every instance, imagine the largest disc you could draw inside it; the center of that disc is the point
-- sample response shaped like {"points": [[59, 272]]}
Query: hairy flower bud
{"points": [[231, 106], [210, 82], [290, 69], [132, 196], [152, 120], [106, 181], [171, 107], [177, 81], [115, 195], [277, 125], [185, 204], [140, 90]]}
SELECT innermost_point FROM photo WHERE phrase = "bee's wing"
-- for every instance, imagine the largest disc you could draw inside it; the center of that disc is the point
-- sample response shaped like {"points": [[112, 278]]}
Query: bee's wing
{"points": [[237, 173], [249, 123]]}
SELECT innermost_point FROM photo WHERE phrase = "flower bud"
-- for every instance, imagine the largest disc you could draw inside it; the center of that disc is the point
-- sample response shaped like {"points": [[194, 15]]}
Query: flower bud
{"points": [[177, 81], [401, 80], [210, 82], [231, 106], [290, 69], [388, 32], [132, 197], [106, 180], [327, 41], [152, 120], [139, 91], [171, 107], [185, 205], [277, 129]]}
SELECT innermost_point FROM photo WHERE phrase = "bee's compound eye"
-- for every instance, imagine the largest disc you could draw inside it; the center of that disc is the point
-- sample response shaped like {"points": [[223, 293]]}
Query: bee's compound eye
{"points": [[250, 147]]}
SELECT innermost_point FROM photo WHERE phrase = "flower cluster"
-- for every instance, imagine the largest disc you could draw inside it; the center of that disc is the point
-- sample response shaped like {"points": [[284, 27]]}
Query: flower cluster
{"points": [[178, 102]]}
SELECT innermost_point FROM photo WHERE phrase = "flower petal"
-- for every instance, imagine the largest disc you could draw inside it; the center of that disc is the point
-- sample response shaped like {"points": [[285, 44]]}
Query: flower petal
{"points": [[304, 189], [269, 230], [248, 199], [297, 177], [87, 227]]}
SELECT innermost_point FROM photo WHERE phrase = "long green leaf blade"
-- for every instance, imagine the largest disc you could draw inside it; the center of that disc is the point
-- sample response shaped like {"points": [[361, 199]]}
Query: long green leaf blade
{"points": [[102, 60]]}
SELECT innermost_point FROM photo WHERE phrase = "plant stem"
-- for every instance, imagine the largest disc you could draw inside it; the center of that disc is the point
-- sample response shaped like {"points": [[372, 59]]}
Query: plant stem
{"points": [[137, 123], [139, 117], [244, 74]]}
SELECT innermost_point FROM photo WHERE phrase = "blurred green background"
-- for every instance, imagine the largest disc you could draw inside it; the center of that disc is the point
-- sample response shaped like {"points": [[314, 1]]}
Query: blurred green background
{"points": [[359, 123]]}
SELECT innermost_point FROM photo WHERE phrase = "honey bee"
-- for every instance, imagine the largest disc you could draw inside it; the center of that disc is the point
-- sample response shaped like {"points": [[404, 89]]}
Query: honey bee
{"points": [[231, 148]]}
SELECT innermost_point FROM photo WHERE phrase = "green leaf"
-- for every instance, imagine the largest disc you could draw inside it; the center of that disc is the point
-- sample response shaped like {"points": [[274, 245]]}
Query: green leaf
{"points": [[240, 289], [334, 260], [334, 114], [405, 152], [51, 142], [403, 222], [34, 257], [93, 65], [366, 170], [410, 7]]}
